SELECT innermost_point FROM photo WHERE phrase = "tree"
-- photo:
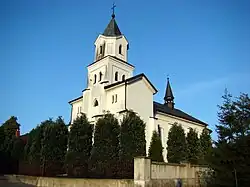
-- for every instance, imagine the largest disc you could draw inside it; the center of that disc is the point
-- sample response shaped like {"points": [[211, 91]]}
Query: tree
{"points": [[8, 131], [132, 142], [205, 144], [176, 144], [53, 147], [80, 145], [105, 153], [155, 149], [34, 154], [230, 157], [193, 147]]}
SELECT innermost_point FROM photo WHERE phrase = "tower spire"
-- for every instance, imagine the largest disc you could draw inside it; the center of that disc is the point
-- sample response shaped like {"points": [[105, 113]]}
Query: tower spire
{"points": [[112, 29], [169, 97]]}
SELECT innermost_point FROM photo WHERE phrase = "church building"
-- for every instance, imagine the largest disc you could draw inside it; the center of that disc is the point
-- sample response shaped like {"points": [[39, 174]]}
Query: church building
{"points": [[112, 86]]}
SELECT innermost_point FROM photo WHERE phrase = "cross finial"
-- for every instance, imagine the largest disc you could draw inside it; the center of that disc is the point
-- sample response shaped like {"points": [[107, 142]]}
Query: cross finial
{"points": [[168, 77], [113, 8]]}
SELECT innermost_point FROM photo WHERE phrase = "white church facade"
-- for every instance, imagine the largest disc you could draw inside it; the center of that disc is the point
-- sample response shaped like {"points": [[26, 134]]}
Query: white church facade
{"points": [[112, 86]]}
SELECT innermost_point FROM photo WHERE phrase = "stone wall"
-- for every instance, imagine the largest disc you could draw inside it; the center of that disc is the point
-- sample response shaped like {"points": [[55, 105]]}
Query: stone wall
{"points": [[70, 182], [147, 173]]}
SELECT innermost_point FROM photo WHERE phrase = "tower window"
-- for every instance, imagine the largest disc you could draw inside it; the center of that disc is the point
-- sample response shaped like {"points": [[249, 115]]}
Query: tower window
{"points": [[101, 49], [100, 76], [159, 130], [123, 77], [95, 103], [113, 98], [116, 76], [120, 49], [94, 78]]}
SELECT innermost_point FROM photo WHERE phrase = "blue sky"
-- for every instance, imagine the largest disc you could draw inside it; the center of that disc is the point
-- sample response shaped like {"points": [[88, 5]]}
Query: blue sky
{"points": [[45, 46]]}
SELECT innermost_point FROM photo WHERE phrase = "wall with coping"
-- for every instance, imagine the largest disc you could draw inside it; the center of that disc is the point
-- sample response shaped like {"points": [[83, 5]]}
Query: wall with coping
{"points": [[150, 174], [69, 182]]}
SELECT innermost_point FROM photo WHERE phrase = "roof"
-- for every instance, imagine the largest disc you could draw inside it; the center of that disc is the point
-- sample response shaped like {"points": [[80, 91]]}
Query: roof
{"points": [[169, 94], [112, 29], [75, 99], [131, 80], [112, 57], [175, 112]]}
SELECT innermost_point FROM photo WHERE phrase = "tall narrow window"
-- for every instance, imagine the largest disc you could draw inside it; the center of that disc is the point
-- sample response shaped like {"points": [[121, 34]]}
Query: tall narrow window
{"points": [[101, 49], [113, 98], [123, 77], [159, 130], [95, 103], [100, 76], [120, 49], [116, 76], [94, 78]]}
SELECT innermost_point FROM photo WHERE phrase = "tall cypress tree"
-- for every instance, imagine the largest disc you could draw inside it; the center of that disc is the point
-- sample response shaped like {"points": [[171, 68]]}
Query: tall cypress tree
{"points": [[155, 149], [105, 153], [132, 142], [34, 154], [54, 147], [80, 145], [205, 143], [176, 144], [193, 147]]}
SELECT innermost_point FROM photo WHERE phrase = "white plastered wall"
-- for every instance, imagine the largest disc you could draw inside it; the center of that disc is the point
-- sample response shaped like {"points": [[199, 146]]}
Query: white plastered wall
{"points": [[165, 122], [140, 100], [75, 109]]}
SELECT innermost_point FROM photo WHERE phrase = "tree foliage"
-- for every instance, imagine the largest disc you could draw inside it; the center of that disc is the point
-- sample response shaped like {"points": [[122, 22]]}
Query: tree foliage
{"points": [[176, 144], [155, 149], [7, 142], [205, 144], [105, 153], [230, 158], [80, 145], [53, 147], [132, 142], [193, 147]]}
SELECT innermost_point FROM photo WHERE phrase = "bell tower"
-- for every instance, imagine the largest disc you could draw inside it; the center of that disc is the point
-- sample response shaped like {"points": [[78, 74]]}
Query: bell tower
{"points": [[111, 57], [111, 42]]}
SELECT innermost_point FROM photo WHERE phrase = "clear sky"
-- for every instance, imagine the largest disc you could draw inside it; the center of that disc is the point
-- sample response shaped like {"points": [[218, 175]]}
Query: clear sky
{"points": [[46, 45]]}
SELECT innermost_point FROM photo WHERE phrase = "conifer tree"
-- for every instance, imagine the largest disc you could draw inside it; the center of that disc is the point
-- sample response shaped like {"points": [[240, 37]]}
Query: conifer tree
{"points": [[34, 154], [155, 149], [132, 142], [176, 144], [230, 156], [105, 153], [193, 147], [205, 144], [54, 147], [79, 147]]}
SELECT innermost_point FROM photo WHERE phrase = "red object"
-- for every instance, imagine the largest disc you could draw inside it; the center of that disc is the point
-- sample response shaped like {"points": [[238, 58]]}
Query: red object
{"points": [[17, 133]]}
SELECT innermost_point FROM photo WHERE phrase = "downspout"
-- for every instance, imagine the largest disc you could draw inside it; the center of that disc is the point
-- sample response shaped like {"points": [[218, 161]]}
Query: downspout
{"points": [[125, 95]]}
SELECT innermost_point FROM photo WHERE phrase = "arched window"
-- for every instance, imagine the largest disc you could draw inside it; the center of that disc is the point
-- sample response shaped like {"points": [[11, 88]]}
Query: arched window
{"points": [[116, 76], [100, 76], [123, 77], [94, 78], [120, 49], [95, 103]]}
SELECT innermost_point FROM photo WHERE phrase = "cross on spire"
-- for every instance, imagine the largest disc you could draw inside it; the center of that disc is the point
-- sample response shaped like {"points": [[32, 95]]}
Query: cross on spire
{"points": [[113, 8]]}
